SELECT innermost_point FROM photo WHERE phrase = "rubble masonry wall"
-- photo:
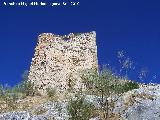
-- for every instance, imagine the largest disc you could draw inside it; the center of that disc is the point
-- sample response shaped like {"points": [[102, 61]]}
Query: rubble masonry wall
{"points": [[58, 60]]}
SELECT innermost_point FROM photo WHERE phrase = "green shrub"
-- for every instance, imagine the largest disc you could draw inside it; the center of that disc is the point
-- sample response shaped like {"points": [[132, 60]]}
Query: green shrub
{"points": [[77, 34], [130, 85], [106, 84], [1, 90], [51, 92], [9, 97], [71, 83], [28, 88], [79, 109]]}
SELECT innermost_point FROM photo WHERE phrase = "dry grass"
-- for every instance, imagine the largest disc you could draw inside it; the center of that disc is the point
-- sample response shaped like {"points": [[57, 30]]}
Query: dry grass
{"points": [[24, 104]]}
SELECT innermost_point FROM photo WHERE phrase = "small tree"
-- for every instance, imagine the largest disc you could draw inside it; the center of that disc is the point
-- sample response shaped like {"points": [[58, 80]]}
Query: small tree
{"points": [[106, 84], [79, 109], [89, 78]]}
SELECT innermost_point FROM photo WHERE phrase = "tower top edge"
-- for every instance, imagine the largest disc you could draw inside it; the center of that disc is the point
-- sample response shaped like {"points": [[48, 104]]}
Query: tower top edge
{"points": [[93, 33]]}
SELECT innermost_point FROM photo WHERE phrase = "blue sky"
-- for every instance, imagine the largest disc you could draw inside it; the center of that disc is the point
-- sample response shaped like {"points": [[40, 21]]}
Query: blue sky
{"points": [[132, 26]]}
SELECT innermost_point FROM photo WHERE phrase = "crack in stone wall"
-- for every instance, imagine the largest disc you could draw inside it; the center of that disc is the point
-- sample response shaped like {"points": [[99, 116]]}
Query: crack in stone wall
{"points": [[58, 60]]}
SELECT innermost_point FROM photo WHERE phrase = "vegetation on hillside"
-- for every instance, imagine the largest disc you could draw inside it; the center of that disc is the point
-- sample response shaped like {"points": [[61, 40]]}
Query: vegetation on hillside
{"points": [[105, 84]]}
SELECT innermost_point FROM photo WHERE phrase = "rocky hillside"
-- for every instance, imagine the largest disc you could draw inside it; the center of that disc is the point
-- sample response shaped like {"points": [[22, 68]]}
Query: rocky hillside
{"points": [[140, 104], [137, 104]]}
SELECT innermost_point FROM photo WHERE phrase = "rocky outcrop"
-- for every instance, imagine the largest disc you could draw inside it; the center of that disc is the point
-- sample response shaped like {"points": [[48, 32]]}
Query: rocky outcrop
{"points": [[47, 111], [138, 104], [59, 59]]}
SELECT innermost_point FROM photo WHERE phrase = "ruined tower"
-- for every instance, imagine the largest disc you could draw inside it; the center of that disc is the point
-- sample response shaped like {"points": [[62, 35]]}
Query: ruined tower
{"points": [[58, 60]]}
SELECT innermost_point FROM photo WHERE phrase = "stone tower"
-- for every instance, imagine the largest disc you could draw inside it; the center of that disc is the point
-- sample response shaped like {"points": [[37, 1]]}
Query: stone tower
{"points": [[58, 60]]}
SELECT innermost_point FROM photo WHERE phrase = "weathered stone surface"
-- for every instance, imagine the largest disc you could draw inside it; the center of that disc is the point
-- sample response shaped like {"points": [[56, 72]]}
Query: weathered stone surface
{"points": [[140, 104], [21, 115], [47, 111], [59, 59]]}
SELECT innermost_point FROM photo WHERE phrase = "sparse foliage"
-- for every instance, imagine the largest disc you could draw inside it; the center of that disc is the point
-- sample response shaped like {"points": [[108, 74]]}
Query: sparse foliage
{"points": [[79, 109], [51, 92], [103, 83], [1, 90], [9, 96], [27, 87], [142, 74], [71, 83], [126, 64], [106, 84]]}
